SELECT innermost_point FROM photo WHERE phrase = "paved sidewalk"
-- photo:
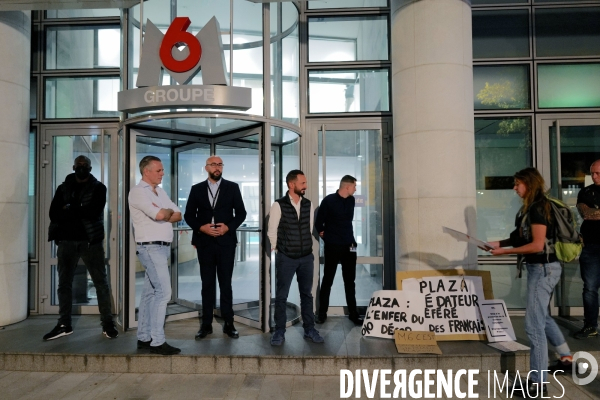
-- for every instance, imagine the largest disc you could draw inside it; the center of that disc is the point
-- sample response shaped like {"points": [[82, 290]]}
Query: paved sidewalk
{"points": [[72, 386]]}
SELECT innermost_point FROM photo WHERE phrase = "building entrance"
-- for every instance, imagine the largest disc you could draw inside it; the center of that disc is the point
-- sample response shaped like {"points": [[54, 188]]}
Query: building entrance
{"points": [[258, 163]]}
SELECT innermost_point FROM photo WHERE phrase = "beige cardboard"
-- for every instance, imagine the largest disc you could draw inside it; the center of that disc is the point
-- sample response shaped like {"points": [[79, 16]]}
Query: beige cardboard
{"points": [[416, 342]]}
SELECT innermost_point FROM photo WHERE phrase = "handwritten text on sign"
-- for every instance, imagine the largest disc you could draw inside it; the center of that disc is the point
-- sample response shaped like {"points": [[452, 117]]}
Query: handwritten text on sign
{"points": [[446, 305]]}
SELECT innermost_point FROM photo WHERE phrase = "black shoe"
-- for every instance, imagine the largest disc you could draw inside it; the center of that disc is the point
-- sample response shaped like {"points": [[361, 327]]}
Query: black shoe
{"points": [[165, 349], [144, 345], [565, 366], [319, 319], [109, 330], [357, 319], [204, 331], [230, 330], [586, 332], [58, 331]]}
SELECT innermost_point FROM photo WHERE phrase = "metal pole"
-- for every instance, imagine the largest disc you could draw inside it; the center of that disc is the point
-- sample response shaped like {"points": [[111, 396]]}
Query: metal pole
{"points": [[141, 28], [230, 42]]}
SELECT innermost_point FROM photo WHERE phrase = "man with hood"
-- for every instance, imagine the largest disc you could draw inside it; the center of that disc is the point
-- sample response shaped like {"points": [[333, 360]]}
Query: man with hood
{"points": [[77, 227]]}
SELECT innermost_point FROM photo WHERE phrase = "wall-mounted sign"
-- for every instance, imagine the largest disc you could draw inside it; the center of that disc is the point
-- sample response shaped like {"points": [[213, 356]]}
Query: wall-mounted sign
{"points": [[182, 55]]}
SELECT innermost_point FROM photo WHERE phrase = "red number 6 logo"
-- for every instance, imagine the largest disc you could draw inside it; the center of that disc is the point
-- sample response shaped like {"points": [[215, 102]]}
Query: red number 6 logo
{"points": [[177, 35]]}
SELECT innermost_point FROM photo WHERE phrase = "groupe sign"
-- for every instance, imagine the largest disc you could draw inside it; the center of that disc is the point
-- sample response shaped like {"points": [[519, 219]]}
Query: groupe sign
{"points": [[160, 52]]}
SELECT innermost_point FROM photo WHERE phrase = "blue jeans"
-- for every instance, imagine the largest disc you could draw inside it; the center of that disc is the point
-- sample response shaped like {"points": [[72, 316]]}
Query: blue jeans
{"points": [[589, 264], [285, 268], [539, 325], [156, 293]]}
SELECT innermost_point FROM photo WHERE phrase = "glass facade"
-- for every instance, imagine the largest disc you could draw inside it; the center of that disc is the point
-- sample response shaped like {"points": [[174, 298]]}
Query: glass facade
{"points": [[531, 58]]}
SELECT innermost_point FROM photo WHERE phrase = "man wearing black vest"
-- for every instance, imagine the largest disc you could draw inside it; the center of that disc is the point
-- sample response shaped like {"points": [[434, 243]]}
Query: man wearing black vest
{"points": [[214, 211], [290, 227], [77, 227], [334, 224]]}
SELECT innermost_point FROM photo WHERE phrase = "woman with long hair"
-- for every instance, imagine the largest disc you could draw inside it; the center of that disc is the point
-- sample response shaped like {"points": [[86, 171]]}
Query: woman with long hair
{"points": [[532, 239]]}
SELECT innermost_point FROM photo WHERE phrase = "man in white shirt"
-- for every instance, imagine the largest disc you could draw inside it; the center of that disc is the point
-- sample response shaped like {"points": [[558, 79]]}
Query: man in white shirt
{"points": [[152, 214], [290, 227]]}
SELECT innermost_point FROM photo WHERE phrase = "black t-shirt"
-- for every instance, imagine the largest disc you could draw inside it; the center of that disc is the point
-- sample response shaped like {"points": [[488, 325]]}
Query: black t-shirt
{"points": [[536, 216], [590, 230]]}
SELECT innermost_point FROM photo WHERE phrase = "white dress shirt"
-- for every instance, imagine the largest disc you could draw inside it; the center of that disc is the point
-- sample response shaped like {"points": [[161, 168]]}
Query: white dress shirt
{"points": [[143, 207], [275, 216]]}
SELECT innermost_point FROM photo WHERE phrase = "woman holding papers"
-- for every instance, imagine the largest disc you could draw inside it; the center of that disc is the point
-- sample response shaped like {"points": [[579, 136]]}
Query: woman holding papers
{"points": [[534, 228]]}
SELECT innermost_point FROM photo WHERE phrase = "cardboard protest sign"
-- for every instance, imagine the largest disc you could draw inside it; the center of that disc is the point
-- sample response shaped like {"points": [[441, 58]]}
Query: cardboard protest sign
{"points": [[416, 342], [446, 305]]}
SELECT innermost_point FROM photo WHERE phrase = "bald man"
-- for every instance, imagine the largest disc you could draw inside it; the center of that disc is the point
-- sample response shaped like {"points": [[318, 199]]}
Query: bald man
{"points": [[214, 211], [77, 228], [588, 205]]}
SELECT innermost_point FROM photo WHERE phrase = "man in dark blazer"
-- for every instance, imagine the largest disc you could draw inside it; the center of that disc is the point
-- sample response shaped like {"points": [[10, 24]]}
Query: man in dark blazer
{"points": [[214, 211]]}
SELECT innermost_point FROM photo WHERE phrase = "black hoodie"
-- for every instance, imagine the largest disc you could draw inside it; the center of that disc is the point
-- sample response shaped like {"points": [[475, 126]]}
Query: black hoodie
{"points": [[83, 219]]}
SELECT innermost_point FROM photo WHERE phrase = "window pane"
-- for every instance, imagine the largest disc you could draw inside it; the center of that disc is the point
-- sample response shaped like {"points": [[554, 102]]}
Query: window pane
{"points": [[313, 5], [89, 97], [567, 31], [502, 147], [503, 87], [347, 39], [485, 2], [501, 34], [31, 197], [348, 91], [86, 13], [33, 98], [72, 47], [568, 85]]}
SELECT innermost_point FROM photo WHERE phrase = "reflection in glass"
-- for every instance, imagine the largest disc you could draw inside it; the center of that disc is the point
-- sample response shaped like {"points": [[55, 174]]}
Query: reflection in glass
{"points": [[568, 85], [348, 91], [87, 97], [561, 32], [65, 150], [502, 147], [356, 153], [285, 52], [312, 5], [347, 38], [84, 13], [31, 196], [500, 34], [506, 287], [504, 87], [485, 2], [80, 46]]}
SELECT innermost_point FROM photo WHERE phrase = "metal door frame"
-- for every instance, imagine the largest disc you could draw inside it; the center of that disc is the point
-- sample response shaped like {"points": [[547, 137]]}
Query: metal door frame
{"points": [[45, 151], [543, 163], [387, 167]]}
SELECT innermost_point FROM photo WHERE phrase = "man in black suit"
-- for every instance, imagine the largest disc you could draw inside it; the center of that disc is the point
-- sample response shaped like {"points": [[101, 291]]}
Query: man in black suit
{"points": [[214, 211]]}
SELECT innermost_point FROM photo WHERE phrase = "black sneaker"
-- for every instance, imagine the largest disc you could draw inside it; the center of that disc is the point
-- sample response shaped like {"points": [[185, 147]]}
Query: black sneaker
{"points": [[586, 332], [320, 318], [144, 345], [58, 331], [110, 331], [565, 366], [165, 349]]}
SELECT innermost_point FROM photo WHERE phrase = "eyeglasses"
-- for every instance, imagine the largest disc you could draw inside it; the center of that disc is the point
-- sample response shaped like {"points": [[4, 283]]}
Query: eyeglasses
{"points": [[215, 165]]}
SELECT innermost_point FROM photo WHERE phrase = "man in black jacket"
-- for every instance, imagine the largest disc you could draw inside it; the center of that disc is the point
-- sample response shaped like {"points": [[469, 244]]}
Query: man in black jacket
{"points": [[77, 227], [290, 228], [334, 224], [214, 211]]}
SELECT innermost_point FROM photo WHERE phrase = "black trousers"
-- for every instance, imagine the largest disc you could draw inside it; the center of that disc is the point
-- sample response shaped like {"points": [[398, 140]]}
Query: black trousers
{"points": [[69, 253], [335, 255], [216, 261]]}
